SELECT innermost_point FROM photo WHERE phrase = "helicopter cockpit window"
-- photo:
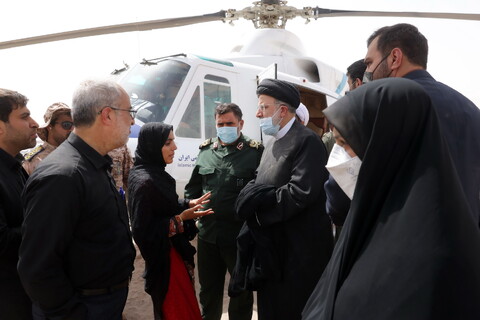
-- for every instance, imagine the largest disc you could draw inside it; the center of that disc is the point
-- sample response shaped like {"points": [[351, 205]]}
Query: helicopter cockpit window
{"points": [[216, 78], [214, 94], [154, 87], [189, 126]]}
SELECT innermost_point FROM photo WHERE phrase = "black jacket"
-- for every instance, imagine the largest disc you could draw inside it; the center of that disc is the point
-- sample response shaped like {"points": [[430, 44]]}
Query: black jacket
{"points": [[12, 181], [14, 302], [76, 233], [460, 124]]}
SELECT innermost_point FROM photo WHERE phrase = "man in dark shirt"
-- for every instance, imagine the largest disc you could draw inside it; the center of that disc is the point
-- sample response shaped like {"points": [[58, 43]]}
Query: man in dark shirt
{"points": [[18, 131], [402, 51], [77, 254]]}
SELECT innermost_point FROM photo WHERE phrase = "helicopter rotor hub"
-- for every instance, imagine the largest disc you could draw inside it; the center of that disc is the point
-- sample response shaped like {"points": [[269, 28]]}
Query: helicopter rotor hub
{"points": [[269, 15]]}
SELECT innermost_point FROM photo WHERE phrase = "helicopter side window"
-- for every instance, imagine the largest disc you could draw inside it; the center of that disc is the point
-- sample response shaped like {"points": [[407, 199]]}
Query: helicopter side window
{"points": [[214, 94], [189, 126]]}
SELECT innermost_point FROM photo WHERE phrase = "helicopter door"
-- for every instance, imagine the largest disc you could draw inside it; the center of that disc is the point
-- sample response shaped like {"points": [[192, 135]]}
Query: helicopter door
{"points": [[216, 90], [196, 122]]}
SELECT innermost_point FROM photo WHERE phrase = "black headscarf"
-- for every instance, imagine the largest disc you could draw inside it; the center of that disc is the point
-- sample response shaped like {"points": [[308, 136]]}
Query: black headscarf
{"points": [[151, 139], [409, 248], [149, 159], [152, 202]]}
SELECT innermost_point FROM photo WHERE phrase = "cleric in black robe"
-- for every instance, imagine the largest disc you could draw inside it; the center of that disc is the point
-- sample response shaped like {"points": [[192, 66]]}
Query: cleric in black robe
{"points": [[286, 228], [410, 247]]}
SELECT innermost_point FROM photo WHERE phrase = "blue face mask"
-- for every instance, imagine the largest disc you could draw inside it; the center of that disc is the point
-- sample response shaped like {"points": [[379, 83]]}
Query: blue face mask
{"points": [[227, 134], [267, 126]]}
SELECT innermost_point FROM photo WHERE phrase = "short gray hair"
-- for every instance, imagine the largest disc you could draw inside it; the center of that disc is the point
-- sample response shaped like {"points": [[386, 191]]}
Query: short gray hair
{"points": [[289, 107], [91, 97]]}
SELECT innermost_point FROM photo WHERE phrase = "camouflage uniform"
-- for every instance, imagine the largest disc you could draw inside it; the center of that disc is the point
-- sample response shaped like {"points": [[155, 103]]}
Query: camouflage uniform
{"points": [[328, 141], [122, 162], [223, 170], [34, 156]]}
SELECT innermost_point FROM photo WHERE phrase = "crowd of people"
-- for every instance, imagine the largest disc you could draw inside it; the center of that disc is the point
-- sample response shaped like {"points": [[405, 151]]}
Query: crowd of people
{"points": [[384, 224]]}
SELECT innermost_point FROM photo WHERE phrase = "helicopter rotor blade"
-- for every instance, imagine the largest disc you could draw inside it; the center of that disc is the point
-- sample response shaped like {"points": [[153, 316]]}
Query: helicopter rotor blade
{"points": [[264, 14], [119, 28], [322, 13]]}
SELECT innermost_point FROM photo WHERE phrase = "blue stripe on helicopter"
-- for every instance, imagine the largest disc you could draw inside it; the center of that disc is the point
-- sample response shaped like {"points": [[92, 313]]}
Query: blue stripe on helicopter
{"points": [[341, 84], [134, 130]]}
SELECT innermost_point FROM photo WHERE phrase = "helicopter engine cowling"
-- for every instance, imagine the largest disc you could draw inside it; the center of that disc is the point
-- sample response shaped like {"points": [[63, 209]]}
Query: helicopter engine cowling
{"points": [[270, 42]]}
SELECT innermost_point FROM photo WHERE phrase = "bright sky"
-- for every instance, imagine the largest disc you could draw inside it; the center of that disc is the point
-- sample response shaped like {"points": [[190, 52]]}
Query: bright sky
{"points": [[48, 73]]}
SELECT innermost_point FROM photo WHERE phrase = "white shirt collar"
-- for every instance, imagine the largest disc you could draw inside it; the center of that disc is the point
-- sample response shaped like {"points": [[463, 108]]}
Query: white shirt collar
{"points": [[282, 132]]}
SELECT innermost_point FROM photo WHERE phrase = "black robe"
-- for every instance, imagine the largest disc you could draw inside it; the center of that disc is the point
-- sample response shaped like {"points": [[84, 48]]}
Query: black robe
{"points": [[285, 209], [410, 247], [152, 202]]}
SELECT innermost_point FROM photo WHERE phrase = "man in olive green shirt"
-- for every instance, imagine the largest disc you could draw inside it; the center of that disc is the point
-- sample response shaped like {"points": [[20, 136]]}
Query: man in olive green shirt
{"points": [[224, 166]]}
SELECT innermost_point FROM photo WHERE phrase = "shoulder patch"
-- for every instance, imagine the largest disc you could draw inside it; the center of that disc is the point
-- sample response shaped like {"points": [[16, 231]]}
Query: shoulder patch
{"points": [[255, 144], [32, 153], [205, 143]]}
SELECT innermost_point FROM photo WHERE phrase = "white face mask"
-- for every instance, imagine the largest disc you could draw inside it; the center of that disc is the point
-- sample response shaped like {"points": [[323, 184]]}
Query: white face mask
{"points": [[344, 169]]}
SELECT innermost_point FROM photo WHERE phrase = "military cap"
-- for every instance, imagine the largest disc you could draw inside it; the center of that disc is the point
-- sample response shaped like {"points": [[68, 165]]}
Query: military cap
{"points": [[51, 113]]}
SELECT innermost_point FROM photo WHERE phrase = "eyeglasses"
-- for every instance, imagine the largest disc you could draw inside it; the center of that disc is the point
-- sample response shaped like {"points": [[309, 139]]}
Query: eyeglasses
{"points": [[262, 107], [131, 111], [67, 125]]}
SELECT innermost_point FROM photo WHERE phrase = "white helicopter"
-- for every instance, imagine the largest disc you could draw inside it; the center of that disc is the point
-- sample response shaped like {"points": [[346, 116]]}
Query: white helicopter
{"points": [[183, 89]]}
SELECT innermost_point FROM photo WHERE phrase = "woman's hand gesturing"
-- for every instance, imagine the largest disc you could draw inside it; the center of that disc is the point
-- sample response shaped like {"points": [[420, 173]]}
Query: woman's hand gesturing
{"points": [[195, 212], [202, 200]]}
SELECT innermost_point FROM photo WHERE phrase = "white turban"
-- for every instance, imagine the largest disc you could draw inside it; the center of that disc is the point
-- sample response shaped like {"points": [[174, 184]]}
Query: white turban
{"points": [[302, 113]]}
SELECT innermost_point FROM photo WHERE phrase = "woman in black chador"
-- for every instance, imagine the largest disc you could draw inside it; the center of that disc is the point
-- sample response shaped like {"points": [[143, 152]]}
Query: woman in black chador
{"points": [[162, 225], [409, 248]]}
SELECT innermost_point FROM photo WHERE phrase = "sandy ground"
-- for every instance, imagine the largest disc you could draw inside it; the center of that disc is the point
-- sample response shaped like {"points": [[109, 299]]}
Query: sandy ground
{"points": [[139, 306]]}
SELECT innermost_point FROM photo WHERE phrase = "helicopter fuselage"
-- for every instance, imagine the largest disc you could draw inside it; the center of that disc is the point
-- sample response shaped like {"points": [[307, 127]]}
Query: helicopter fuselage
{"points": [[183, 90]]}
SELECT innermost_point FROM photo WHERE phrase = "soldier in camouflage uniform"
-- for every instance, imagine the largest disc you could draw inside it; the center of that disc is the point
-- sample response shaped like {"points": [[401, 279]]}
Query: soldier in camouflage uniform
{"points": [[122, 163], [57, 127], [224, 166]]}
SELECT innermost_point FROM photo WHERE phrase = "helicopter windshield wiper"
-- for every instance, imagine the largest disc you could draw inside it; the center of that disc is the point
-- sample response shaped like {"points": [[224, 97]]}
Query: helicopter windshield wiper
{"points": [[117, 71], [155, 61], [148, 62]]}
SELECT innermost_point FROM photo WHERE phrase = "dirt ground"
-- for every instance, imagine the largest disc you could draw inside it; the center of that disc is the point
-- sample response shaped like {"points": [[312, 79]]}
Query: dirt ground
{"points": [[139, 305]]}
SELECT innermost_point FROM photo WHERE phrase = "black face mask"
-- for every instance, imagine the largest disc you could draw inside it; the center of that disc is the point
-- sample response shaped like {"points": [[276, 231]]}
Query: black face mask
{"points": [[368, 76]]}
